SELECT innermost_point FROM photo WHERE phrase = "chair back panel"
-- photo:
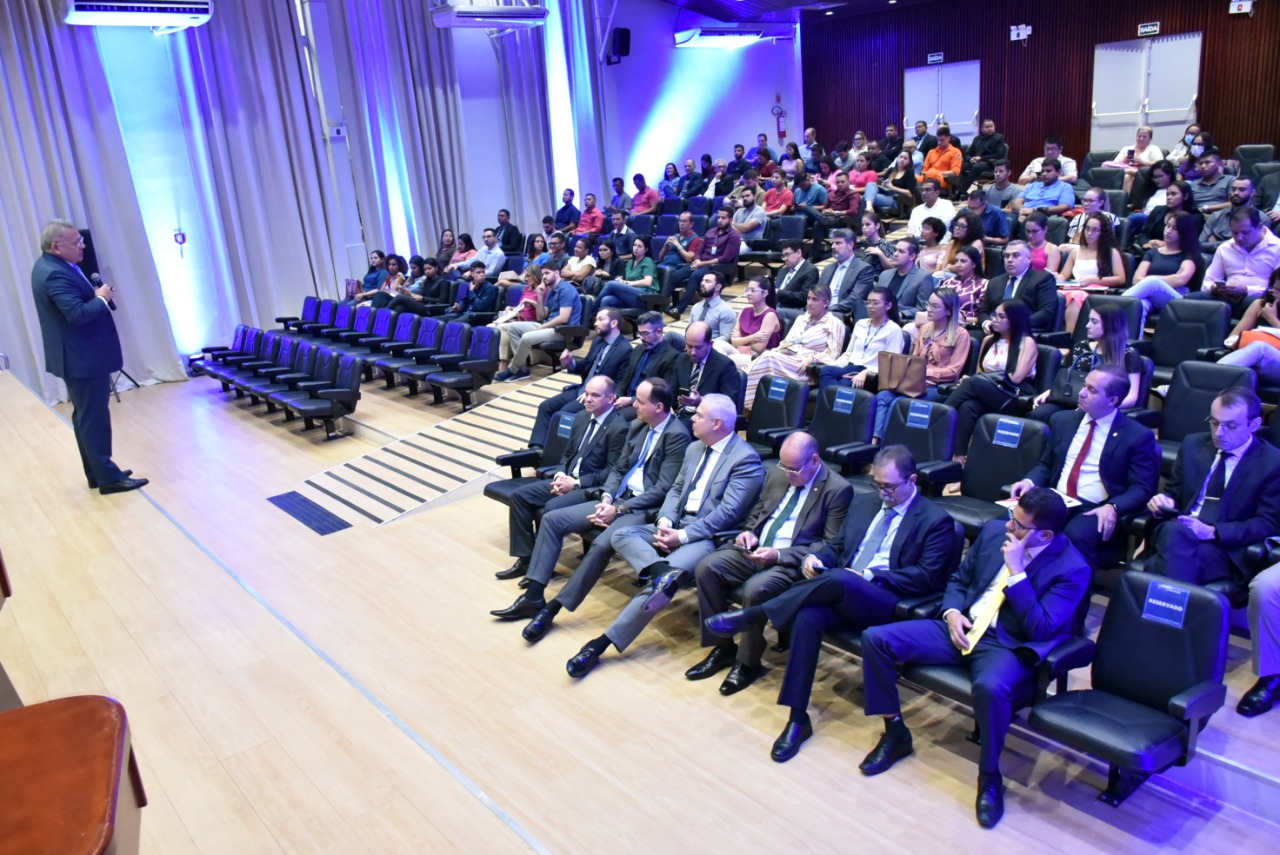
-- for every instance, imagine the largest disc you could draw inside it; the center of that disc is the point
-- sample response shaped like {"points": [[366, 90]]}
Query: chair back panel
{"points": [[1184, 326], [1191, 392], [310, 309], [429, 332], [1003, 450], [406, 327], [304, 358], [457, 336], [382, 321], [326, 364], [779, 402], [328, 310], [928, 441], [843, 415], [484, 343]]}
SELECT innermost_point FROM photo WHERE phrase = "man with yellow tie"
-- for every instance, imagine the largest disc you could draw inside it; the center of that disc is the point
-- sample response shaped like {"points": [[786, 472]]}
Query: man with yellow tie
{"points": [[1012, 600]]}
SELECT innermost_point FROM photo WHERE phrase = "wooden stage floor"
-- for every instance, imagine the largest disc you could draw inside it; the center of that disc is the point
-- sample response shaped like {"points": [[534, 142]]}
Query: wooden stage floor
{"points": [[349, 693]]}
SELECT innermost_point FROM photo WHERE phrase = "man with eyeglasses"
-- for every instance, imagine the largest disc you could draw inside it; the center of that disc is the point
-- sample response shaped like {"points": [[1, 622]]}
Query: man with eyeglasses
{"points": [[798, 276], [82, 347], [894, 544], [655, 357], [1014, 598], [801, 509], [1221, 499]]}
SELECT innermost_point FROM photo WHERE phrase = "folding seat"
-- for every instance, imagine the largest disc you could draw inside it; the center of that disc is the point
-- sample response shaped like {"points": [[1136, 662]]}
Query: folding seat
{"points": [[323, 372], [453, 347], [310, 312], [468, 374], [330, 403], [425, 343], [212, 353], [1192, 389], [403, 330], [251, 372], [926, 428], [1002, 451], [361, 327], [325, 314], [780, 405], [277, 379], [843, 416], [544, 461]]}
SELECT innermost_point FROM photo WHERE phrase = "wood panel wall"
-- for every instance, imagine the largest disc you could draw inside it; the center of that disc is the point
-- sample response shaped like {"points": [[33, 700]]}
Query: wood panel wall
{"points": [[853, 65]]}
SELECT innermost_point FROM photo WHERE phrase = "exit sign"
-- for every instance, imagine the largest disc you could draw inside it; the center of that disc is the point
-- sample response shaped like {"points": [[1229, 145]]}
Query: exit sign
{"points": [[935, 59], [1151, 29]]}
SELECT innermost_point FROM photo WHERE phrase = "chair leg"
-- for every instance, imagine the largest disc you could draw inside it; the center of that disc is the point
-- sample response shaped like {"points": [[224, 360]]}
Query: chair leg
{"points": [[1120, 785], [413, 387], [308, 423], [390, 377], [436, 396], [466, 399], [330, 430]]}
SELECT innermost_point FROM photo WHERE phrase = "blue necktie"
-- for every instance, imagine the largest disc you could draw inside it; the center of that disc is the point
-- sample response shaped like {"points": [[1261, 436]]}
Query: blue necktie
{"points": [[644, 455]]}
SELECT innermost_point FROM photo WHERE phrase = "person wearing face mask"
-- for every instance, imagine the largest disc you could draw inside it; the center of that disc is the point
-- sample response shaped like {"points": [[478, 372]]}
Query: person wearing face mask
{"points": [[1182, 147], [1189, 166]]}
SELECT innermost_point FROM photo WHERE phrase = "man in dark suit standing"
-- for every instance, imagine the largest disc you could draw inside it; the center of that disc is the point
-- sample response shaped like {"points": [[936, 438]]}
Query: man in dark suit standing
{"points": [[895, 543], [595, 441], [1100, 457], [797, 277], [635, 488], [1222, 498], [702, 370], [801, 508], [1014, 598], [1037, 288], [82, 347], [608, 356], [718, 484], [655, 357]]}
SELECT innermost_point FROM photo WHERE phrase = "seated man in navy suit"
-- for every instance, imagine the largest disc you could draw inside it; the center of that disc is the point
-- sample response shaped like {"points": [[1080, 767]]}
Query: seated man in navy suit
{"points": [[895, 543], [1222, 498], [608, 356], [1014, 598], [1099, 456]]}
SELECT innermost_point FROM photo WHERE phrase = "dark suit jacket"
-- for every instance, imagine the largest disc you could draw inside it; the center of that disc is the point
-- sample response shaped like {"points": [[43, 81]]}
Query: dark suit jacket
{"points": [[80, 338], [510, 239], [732, 489], [1250, 508], [598, 455], [662, 363], [913, 294], [719, 375], [797, 291], [820, 519], [694, 184], [1038, 612], [660, 470], [890, 147], [922, 546], [1129, 466], [615, 362], [1038, 289], [990, 148], [858, 281], [926, 143]]}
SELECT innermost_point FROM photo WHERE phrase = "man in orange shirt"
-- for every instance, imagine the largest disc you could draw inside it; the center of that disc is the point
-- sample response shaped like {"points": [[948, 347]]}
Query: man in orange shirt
{"points": [[943, 160], [591, 221]]}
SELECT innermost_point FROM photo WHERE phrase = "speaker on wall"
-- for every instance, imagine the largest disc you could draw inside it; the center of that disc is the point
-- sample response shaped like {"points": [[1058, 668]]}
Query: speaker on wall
{"points": [[621, 41]]}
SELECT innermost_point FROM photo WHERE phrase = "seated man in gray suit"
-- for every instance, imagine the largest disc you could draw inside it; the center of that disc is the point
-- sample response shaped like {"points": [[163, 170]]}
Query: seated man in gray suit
{"points": [[801, 509], [910, 284], [849, 278], [634, 489], [717, 486]]}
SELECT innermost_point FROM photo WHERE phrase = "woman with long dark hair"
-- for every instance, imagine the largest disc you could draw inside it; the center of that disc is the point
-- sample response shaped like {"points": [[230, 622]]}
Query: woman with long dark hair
{"points": [[1106, 342], [1172, 269], [463, 253], [669, 186], [448, 246], [1178, 198], [1006, 369], [1095, 261], [1152, 194]]}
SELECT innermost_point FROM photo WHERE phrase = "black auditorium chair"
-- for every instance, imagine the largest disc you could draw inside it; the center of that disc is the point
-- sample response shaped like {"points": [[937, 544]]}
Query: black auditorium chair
{"points": [[672, 207], [654, 301], [1250, 155], [1003, 450], [453, 348], [404, 331], [252, 372], [572, 336], [379, 330], [325, 314], [310, 312], [926, 428], [474, 370], [343, 318], [1048, 362], [843, 416], [1185, 330], [229, 363], [1131, 306], [758, 250], [642, 225], [330, 403], [323, 371], [361, 326], [283, 379], [779, 406], [1192, 389], [1157, 671], [544, 462], [425, 344], [212, 353]]}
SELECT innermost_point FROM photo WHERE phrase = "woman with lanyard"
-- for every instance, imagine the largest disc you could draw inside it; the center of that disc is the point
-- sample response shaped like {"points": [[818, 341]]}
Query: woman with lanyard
{"points": [[1006, 369], [943, 343], [874, 333], [814, 339]]}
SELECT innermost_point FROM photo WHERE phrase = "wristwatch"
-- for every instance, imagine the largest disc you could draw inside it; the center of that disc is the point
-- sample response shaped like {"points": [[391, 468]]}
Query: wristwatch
{"points": [[620, 509]]}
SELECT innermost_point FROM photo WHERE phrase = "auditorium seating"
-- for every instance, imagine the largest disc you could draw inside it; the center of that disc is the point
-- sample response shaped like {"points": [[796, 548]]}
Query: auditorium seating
{"points": [[543, 462], [310, 312], [329, 403], [404, 331], [779, 406], [424, 344], [324, 317], [475, 369], [454, 342], [843, 416], [323, 371], [277, 379], [1192, 389], [1003, 450], [926, 428]]}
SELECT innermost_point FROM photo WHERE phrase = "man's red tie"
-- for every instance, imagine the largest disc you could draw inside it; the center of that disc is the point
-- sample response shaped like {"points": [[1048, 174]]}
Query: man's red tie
{"points": [[1074, 478]]}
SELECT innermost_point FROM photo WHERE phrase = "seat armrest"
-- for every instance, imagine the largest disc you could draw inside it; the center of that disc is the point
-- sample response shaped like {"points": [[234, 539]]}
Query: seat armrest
{"points": [[421, 355], [274, 371], [257, 363], [313, 385], [945, 389], [1211, 354], [397, 348], [518, 459], [1142, 346], [240, 359], [449, 360], [777, 436], [941, 471], [1148, 418], [918, 608], [481, 319], [1054, 339], [351, 336], [285, 319], [1201, 700], [853, 453], [654, 300], [1073, 653], [372, 341], [346, 396], [478, 366]]}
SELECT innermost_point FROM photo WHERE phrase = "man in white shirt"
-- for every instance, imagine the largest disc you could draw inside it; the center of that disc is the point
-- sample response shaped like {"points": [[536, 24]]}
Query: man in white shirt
{"points": [[1052, 151], [934, 206], [491, 254]]}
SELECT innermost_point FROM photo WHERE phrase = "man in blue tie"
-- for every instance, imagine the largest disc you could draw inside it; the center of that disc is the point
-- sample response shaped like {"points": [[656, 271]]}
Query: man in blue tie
{"points": [[895, 543], [82, 347]]}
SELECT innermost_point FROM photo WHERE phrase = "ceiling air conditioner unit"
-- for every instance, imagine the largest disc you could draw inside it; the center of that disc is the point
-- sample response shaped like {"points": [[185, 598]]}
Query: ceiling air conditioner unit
{"points": [[724, 38], [133, 13], [490, 17]]}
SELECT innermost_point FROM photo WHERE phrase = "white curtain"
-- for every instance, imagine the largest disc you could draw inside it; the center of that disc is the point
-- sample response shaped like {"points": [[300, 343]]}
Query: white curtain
{"points": [[61, 155], [581, 24], [525, 112]]}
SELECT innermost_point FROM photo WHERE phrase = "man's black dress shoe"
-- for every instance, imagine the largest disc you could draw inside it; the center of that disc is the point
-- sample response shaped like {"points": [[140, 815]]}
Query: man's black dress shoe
{"points": [[728, 623], [674, 314], [124, 473], [538, 626], [1260, 698], [990, 804], [720, 657], [522, 608], [889, 750], [664, 588], [792, 737], [123, 486], [739, 677], [581, 664], [515, 571]]}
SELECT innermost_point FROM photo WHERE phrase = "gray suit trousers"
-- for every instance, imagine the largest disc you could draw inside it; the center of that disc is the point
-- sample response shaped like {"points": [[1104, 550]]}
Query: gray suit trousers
{"points": [[635, 544]]}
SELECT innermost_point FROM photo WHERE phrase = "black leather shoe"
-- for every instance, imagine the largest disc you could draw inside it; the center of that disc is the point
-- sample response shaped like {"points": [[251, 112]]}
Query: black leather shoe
{"points": [[788, 743], [124, 473], [123, 486], [990, 804], [728, 623], [889, 750], [581, 665], [673, 314], [664, 588], [720, 657], [739, 677], [515, 571], [1260, 698], [539, 626], [522, 609]]}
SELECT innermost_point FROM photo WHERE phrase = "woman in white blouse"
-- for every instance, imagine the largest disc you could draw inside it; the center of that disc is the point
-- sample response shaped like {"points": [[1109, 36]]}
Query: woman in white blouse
{"points": [[874, 333], [814, 339]]}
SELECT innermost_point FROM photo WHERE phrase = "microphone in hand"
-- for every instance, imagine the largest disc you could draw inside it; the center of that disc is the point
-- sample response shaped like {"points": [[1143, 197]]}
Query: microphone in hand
{"points": [[99, 285]]}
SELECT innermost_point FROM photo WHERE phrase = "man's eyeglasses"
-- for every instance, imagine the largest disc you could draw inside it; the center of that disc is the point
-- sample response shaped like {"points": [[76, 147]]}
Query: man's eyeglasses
{"points": [[1021, 526], [1214, 424], [888, 489]]}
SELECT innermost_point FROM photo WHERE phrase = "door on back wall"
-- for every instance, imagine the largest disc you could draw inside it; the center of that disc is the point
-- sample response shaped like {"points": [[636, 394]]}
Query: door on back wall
{"points": [[944, 94], [1144, 82]]}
